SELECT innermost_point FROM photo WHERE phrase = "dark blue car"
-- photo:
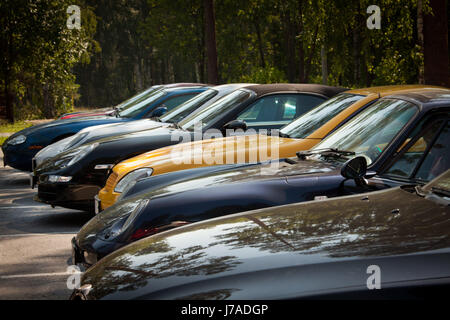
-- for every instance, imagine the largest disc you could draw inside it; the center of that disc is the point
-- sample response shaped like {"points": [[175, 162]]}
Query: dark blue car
{"points": [[20, 148]]}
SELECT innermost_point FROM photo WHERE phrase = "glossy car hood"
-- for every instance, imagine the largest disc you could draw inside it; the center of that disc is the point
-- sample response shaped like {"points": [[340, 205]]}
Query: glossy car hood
{"points": [[168, 130], [230, 257], [244, 173], [112, 148], [115, 129], [63, 122], [252, 148]]}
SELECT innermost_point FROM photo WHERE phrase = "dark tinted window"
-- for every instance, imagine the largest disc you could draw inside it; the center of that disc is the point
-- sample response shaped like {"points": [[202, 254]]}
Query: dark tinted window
{"points": [[426, 156], [279, 108], [174, 102], [315, 118]]}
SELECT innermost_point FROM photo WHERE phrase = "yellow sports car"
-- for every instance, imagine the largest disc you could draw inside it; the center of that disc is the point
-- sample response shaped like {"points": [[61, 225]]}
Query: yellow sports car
{"points": [[301, 134]]}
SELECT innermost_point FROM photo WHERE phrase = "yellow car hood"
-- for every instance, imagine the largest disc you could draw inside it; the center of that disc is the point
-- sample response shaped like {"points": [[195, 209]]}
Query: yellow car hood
{"points": [[252, 148]]}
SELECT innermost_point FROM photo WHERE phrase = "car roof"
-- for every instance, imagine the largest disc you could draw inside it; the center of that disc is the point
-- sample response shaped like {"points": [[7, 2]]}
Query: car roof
{"points": [[324, 90], [389, 89], [425, 98], [233, 85], [183, 84], [185, 89]]}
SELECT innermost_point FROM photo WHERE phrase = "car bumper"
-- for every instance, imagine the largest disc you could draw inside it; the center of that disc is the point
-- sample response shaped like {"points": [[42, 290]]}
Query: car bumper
{"points": [[90, 252], [107, 198], [17, 159], [68, 195]]}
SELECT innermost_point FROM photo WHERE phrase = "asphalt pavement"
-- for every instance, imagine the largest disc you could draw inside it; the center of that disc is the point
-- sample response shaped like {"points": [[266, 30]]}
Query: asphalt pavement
{"points": [[35, 249]]}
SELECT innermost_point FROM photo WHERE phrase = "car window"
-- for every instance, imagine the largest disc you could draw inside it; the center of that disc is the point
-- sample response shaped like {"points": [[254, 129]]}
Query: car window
{"points": [[417, 144], [141, 104], [216, 110], [174, 102], [313, 119], [371, 131], [437, 159], [188, 107], [279, 108]]}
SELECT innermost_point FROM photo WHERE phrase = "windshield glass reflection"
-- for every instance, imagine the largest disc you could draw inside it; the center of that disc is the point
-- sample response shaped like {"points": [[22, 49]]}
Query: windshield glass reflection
{"points": [[370, 132]]}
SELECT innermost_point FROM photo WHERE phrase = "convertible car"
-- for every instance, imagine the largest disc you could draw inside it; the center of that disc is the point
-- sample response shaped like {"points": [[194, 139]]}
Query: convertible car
{"points": [[390, 244], [192, 106], [21, 147], [301, 134], [400, 139], [73, 178], [108, 111], [127, 103]]}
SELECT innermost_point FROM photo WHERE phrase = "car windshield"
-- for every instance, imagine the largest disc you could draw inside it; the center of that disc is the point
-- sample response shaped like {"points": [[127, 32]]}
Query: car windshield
{"points": [[306, 124], [140, 104], [440, 185], [189, 106], [218, 108], [370, 132], [129, 102]]}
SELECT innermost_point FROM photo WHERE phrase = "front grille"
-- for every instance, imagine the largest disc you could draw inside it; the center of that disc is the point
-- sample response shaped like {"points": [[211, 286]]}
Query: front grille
{"points": [[111, 182]]}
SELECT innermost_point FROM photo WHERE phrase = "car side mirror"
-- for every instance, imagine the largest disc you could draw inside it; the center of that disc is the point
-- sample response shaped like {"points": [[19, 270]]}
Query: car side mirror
{"points": [[235, 125], [355, 169], [158, 112]]}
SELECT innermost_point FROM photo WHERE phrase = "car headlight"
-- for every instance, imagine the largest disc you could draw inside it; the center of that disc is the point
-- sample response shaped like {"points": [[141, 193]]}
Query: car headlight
{"points": [[76, 140], [55, 178], [74, 155], [142, 204], [17, 140], [132, 176]]}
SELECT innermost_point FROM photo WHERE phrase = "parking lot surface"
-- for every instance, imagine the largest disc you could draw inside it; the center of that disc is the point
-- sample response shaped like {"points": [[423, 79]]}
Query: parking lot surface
{"points": [[35, 249]]}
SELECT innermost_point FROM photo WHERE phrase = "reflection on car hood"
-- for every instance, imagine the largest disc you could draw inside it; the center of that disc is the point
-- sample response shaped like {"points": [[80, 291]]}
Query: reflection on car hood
{"points": [[251, 148], [113, 129], [32, 129], [244, 172], [166, 130], [233, 255]]}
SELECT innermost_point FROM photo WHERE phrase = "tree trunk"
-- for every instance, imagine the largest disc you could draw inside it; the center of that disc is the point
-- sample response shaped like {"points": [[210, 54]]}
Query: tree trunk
{"points": [[290, 42], [310, 56], [8, 101], [260, 45], [420, 38], [436, 52], [301, 52], [138, 76], [323, 55], [210, 39]]}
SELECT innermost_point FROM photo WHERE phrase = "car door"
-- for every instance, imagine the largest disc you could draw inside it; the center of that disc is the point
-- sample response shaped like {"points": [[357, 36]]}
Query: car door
{"points": [[423, 155], [276, 110]]}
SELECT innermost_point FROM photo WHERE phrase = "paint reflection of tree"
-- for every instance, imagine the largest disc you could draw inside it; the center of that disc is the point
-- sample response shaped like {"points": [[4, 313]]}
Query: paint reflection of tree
{"points": [[221, 294], [348, 227], [124, 273]]}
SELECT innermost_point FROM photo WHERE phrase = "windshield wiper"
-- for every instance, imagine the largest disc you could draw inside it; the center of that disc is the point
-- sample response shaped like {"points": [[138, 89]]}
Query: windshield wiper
{"points": [[329, 152]]}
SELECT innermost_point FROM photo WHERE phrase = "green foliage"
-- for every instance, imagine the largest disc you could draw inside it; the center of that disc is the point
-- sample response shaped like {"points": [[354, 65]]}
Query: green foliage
{"points": [[40, 53], [264, 75], [126, 46], [6, 127]]}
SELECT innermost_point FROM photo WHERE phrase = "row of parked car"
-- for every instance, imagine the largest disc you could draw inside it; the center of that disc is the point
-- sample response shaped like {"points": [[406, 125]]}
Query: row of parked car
{"points": [[310, 185]]}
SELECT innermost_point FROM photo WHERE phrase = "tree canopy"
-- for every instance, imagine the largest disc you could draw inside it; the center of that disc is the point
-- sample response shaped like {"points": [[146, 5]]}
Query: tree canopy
{"points": [[126, 46]]}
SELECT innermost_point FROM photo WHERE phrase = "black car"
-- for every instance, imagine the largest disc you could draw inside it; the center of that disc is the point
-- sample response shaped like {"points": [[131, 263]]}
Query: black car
{"points": [[192, 106], [401, 139], [74, 177], [390, 244], [20, 148]]}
